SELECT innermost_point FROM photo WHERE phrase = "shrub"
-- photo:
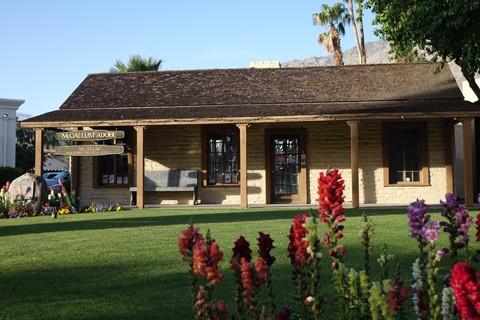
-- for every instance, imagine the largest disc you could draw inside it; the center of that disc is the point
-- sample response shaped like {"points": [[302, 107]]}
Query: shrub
{"points": [[8, 174]]}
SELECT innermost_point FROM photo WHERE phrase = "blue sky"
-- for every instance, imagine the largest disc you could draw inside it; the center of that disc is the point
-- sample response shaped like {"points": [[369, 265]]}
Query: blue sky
{"points": [[48, 47]]}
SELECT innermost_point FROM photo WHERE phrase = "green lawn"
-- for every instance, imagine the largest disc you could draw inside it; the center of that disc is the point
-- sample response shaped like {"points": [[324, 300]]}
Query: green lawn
{"points": [[125, 265]]}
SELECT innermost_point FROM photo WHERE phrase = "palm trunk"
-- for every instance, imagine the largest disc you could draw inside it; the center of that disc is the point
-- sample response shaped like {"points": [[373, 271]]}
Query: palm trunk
{"points": [[337, 50], [355, 33], [362, 35]]}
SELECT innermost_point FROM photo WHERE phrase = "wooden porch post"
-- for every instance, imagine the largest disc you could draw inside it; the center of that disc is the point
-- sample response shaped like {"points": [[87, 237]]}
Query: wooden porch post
{"points": [[354, 161], [140, 167], [243, 165], [74, 163], [449, 142], [38, 151], [468, 160]]}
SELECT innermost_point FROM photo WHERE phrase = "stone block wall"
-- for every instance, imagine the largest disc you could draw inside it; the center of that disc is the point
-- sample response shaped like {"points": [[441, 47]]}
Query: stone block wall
{"points": [[328, 144]]}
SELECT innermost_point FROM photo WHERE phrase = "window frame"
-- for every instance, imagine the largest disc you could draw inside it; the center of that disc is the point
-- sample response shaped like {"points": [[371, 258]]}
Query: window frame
{"points": [[208, 130], [97, 162], [422, 127]]}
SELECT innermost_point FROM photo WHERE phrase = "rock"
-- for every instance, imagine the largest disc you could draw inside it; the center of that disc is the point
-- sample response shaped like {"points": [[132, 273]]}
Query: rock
{"points": [[32, 188]]}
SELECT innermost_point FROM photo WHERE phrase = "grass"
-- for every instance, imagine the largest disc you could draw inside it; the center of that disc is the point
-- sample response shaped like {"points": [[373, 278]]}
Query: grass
{"points": [[125, 265]]}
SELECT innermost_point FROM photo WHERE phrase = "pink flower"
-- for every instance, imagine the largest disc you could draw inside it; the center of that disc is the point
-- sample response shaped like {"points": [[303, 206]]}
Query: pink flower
{"points": [[431, 231]]}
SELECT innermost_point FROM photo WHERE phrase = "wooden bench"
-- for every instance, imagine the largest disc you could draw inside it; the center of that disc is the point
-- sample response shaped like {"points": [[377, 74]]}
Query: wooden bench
{"points": [[169, 181]]}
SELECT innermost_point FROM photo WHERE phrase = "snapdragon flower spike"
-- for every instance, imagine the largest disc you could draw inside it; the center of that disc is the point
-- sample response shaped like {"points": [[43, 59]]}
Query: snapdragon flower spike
{"points": [[451, 203], [466, 290], [330, 197], [252, 279], [397, 296], [206, 259], [459, 218], [417, 213], [240, 250], [186, 242], [265, 245], [297, 248], [431, 231]]}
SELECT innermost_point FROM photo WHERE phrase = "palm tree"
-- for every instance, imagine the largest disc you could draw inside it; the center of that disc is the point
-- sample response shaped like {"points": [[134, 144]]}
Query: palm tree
{"points": [[362, 57], [137, 63], [334, 18]]}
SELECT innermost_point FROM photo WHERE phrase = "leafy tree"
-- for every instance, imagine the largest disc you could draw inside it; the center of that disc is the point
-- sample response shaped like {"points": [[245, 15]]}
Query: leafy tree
{"points": [[362, 56], [25, 147], [447, 29], [137, 63], [334, 18]]}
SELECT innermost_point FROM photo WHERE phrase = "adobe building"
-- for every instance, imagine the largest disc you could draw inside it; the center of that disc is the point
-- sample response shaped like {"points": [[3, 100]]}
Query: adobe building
{"points": [[262, 136]]}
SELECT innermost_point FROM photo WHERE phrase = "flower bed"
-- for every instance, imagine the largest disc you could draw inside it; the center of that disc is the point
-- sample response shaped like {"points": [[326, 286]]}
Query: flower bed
{"points": [[60, 202], [359, 294]]}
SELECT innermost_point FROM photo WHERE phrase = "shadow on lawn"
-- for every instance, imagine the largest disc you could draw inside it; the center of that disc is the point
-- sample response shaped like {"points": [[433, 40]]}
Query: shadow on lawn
{"points": [[117, 291], [172, 219], [111, 291]]}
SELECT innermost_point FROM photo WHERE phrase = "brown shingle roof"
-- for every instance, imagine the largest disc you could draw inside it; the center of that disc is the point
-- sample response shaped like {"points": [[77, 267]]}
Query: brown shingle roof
{"points": [[249, 93]]}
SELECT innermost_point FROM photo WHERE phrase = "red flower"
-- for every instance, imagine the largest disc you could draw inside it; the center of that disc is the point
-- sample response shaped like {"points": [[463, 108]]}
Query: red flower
{"points": [[186, 242], [219, 310], [330, 192], [240, 250], [252, 279], [397, 296], [466, 290], [265, 245], [206, 259], [297, 248], [262, 271]]}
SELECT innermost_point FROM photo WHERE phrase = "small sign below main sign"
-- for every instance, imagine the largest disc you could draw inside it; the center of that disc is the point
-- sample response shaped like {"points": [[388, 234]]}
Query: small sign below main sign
{"points": [[89, 135], [89, 150]]}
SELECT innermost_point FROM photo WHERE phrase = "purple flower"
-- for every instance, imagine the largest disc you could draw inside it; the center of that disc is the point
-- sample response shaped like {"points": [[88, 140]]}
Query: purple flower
{"points": [[417, 213], [451, 203], [459, 220], [431, 231]]}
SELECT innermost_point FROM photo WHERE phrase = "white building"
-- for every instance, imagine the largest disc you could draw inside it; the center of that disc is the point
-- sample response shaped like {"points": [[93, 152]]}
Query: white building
{"points": [[8, 128]]}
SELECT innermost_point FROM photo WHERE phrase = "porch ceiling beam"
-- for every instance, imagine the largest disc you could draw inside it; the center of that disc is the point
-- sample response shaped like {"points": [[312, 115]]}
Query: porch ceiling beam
{"points": [[272, 119]]}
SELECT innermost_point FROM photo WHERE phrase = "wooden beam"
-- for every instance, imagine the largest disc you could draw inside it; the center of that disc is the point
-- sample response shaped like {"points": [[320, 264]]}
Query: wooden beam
{"points": [[140, 167], [354, 162], [38, 151], [468, 160], [74, 170], [243, 165], [449, 155]]}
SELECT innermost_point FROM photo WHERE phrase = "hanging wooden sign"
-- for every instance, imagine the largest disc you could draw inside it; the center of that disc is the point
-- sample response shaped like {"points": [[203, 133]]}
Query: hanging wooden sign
{"points": [[89, 135], [89, 150]]}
